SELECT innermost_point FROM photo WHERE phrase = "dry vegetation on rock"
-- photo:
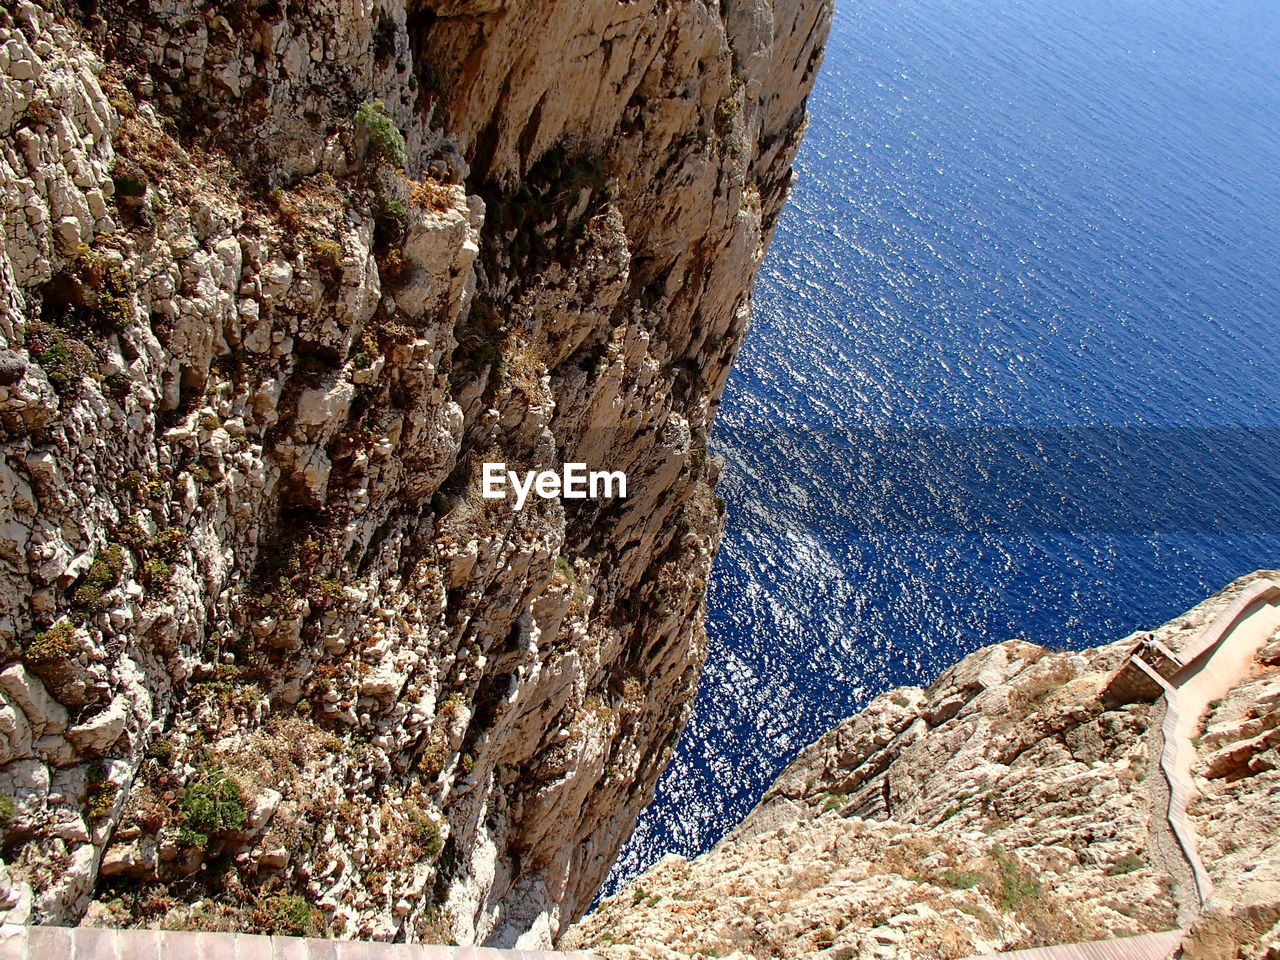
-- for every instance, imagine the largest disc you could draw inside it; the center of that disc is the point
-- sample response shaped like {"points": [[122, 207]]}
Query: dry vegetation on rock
{"points": [[1010, 805], [275, 280]]}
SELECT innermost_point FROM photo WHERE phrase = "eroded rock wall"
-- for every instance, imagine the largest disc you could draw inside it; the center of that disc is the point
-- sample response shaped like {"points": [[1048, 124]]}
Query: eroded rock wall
{"points": [[276, 279]]}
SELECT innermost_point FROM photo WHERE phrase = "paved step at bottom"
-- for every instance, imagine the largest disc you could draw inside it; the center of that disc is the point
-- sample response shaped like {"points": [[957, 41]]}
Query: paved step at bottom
{"points": [[95, 943], [1148, 946]]}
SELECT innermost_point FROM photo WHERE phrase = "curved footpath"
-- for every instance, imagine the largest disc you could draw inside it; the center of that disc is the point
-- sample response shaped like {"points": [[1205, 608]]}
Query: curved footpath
{"points": [[1193, 678], [1221, 657]]}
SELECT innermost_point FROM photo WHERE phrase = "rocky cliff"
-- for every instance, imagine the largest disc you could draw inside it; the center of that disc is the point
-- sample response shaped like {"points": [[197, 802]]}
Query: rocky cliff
{"points": [[276, 278], [1017, 802]]}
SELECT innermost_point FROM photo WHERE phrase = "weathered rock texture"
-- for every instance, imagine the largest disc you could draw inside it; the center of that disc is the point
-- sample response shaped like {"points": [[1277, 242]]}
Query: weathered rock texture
{"points": [[1014, 803], [276, 277]]}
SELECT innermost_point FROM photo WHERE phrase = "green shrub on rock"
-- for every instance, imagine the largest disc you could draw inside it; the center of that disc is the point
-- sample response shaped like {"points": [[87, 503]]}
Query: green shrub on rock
{"points": [[426, 832], [156, 572], [57, 644], [65, 360], [100, 794], [210, 804], [129, 179], [103, 574], [384, 136], [285, 915], [326, 254], [1016, 884]]}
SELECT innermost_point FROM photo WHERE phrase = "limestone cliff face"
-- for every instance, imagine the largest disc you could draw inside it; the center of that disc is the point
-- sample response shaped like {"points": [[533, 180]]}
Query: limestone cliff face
{"points": [[276, 278], [1017, 802]]}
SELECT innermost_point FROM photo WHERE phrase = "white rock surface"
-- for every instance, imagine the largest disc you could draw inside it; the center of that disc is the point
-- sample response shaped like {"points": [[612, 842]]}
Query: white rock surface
{"points": [[250, 356]]}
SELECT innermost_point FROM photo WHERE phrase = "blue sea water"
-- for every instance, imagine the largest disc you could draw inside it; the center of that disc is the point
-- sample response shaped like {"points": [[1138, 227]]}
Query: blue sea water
{"points": [[1026, 233]]}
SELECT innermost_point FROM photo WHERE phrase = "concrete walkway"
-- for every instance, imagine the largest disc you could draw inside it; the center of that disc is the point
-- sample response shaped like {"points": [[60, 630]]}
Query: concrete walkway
{"points": [[94, 943], [1219, 658], [1149, 946]]}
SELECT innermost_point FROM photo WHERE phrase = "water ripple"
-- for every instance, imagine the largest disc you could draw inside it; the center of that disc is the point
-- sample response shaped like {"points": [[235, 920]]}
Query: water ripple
{"points": [[1047, 218]]}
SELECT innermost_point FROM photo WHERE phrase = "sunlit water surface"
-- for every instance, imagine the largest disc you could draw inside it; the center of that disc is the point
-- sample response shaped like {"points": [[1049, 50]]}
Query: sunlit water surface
{"points": [[1027, 218]]}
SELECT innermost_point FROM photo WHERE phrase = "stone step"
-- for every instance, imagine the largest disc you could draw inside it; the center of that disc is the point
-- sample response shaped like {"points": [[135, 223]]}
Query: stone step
{"points": [[1148, 946], [96, 943]]}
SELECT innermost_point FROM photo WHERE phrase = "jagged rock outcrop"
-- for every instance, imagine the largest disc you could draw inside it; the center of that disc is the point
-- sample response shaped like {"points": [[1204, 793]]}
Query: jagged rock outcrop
{"points": [[1017, 802], [276, 279]]}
